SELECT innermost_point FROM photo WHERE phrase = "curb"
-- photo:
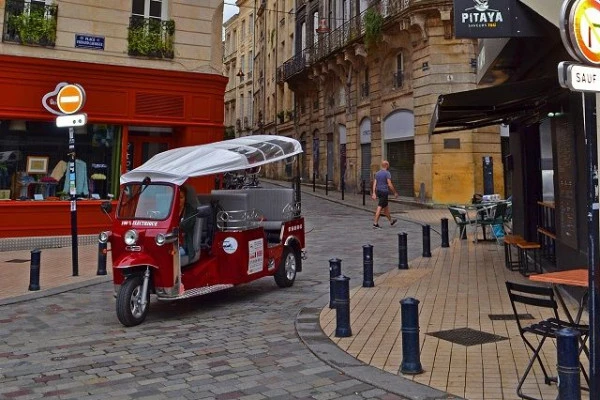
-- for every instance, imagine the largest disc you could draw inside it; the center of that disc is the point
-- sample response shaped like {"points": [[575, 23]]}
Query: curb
{"points": [[310, 333], [55, 290]]}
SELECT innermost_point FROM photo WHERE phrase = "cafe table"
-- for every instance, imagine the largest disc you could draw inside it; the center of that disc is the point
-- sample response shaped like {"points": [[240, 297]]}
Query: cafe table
{"points": [[572, 277]]}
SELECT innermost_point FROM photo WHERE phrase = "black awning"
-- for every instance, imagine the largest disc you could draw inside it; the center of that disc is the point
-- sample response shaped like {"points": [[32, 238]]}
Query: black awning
{"points": [[506, 103]]}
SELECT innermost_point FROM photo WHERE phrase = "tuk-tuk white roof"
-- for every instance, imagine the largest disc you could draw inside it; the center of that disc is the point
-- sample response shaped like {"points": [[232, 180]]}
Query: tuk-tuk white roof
{"points": [[177, 165]]}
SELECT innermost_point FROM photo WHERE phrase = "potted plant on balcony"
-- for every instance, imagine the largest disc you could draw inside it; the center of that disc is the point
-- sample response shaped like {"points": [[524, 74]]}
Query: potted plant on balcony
{"points": [[280, 115], [151, 38], [373, 27], [34, 27], [289, 114]]}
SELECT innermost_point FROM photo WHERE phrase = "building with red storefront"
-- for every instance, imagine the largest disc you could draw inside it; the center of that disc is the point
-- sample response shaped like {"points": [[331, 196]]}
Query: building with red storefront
{"points": [[150, 70]]}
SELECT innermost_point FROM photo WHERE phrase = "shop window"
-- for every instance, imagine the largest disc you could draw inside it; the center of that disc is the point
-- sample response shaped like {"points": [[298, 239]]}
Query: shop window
{"points": [[97, 168], [150, 33], [31, 22]]}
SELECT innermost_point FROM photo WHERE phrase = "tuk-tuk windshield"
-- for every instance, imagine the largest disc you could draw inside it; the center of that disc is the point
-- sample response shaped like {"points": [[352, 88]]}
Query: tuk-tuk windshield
{"points": [[140, 201]]}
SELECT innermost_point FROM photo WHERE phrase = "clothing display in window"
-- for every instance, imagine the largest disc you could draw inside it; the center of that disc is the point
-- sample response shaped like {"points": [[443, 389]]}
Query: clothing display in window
{"points": [[81, 179]]}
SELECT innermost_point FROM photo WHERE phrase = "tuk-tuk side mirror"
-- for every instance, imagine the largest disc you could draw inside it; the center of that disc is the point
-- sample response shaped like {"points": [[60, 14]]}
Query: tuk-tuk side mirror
{"points": [[106, 206]]}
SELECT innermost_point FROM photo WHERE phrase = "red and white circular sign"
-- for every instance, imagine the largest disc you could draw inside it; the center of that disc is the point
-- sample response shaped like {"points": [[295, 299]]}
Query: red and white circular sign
{"points": [[70, 98]]}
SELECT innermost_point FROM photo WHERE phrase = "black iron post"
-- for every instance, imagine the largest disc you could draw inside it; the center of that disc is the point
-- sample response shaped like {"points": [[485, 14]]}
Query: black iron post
{"points": [[445, 240], [402, 251], [342, 306], [343, 187], [589, 120], [364, 190], [411, 355], [426, 241], [335, 269], [102, 250], [73, 194], [314, 181], [326, 185], [34, 269], [567, 366], [368, 266]]}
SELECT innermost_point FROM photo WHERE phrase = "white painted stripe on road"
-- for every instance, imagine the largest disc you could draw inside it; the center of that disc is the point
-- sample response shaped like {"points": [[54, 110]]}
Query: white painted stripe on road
{"points": [[69, 99]]}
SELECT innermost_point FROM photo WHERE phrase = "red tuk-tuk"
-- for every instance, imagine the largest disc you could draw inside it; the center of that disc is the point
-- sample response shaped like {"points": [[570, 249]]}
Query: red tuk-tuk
{"points": [[237, 236]]}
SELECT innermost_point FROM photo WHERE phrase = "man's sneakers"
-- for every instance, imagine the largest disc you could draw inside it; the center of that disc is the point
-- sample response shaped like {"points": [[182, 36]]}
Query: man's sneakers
{"points": [[376, 226], [393, 222]]}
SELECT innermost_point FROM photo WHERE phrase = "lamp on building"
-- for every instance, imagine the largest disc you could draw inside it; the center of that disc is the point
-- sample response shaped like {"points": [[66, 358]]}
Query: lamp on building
{"points": [[241, 74], [17, 125], [323, 27]]}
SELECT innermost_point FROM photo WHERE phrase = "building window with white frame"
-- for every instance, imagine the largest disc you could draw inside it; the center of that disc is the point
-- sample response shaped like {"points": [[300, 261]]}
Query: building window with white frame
{"points": [[150, 33], [31, 22]]}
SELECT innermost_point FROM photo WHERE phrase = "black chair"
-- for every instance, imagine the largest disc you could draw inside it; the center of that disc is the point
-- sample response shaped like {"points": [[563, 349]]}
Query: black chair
{"points": [[540, 297]]}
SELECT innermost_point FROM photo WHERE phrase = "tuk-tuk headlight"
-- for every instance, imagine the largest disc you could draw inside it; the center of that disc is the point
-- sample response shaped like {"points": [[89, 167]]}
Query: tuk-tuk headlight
{"points": [[160, 239], [103, 237], [131, 237]]}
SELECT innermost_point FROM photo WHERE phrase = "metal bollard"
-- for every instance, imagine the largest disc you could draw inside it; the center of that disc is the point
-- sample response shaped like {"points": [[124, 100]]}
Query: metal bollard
{"points": [[362, 184], [314, 181], [34, 269], [411, 355], [326, 185], [335, 269], [426, 241], [567, 346], [445, 240], [368, 266], [343, 187], [342, 306], [402, 251], [102, 250]]}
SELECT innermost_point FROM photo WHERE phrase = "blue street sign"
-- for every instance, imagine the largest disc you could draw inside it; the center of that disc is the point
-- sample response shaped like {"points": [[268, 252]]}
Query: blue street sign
{"points": [[89, 42]]}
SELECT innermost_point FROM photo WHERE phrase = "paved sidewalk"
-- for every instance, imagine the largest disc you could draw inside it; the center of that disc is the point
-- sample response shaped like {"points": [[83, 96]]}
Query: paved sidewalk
{"points": [[458, 287]]}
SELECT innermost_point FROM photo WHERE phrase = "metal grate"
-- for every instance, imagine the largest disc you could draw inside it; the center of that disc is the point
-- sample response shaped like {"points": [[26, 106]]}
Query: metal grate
{"points": [[509, 317], [467, 336]]}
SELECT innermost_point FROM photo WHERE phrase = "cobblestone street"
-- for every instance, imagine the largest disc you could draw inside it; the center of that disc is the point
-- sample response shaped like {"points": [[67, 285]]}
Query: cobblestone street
{"points": [[236, 344]]}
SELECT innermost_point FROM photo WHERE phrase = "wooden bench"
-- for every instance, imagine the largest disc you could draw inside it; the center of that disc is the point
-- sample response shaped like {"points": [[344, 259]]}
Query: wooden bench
{"points": [[525, 248], [511, 241]]}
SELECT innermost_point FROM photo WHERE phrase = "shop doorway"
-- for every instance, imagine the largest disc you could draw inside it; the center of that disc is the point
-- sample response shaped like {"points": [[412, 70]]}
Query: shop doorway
{"points": [[401, 156], [142, 145]]}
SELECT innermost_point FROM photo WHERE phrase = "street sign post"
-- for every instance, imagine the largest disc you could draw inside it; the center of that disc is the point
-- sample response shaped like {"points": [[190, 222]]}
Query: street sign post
{"points": [[580, 33], [70, 98]]}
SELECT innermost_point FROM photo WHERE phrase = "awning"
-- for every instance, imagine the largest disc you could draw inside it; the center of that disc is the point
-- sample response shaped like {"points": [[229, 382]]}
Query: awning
{"points": [[506, 103], [549, 9]]}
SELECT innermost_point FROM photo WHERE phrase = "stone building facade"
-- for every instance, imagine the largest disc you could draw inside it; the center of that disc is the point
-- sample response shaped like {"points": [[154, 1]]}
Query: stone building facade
{"points": [[366, 77]]}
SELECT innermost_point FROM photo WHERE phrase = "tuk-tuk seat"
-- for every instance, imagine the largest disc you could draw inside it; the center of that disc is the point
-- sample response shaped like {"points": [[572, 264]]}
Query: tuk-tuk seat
{"points": [[207, 213], [198, 228]]}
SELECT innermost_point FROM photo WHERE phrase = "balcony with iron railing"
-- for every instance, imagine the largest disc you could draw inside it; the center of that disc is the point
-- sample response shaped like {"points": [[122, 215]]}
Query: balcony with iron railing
{"points": [[150, 37], [30, 23], [328, 43]]}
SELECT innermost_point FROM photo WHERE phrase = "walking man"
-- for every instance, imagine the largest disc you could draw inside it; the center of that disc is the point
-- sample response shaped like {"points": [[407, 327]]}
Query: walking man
{"points": [[382, 186]]}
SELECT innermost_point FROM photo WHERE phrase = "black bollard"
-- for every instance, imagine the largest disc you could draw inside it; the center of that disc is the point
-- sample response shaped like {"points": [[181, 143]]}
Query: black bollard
{"points": [[567, 346], [445, 241], [411, 355], [342, 306], [102, 258], [364, 190], [34, 269], [426, 241], [368, 266], [335, 269], [343, 187], [314, 181], [326, 185], [402, 251]]}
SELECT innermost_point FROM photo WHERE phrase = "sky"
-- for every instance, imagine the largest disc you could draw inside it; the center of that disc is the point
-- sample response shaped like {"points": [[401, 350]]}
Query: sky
{"points": [[229, 10]]}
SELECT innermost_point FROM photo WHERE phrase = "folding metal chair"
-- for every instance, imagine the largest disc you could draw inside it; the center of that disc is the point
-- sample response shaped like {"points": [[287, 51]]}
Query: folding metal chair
{"points": [[540, 297]]}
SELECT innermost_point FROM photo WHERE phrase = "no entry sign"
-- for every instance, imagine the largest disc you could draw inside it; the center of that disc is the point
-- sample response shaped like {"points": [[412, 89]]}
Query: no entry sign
{"points": [[70, 98]]}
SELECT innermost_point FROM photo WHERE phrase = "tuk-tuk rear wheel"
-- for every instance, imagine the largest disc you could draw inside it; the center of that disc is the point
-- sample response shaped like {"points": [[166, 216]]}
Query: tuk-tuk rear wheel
{"points": [[130, 310], [286, 273]]}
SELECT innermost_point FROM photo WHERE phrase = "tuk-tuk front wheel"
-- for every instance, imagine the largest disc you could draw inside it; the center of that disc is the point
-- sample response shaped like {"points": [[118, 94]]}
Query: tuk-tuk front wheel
{"points": [[130, 308], [286, 273]]}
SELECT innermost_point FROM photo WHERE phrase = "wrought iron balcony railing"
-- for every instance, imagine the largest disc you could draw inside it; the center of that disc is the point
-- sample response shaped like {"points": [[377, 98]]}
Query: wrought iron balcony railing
{"points": [[364, 90], [328, 43], [30, 23], [398, 80], [150, 37]]}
